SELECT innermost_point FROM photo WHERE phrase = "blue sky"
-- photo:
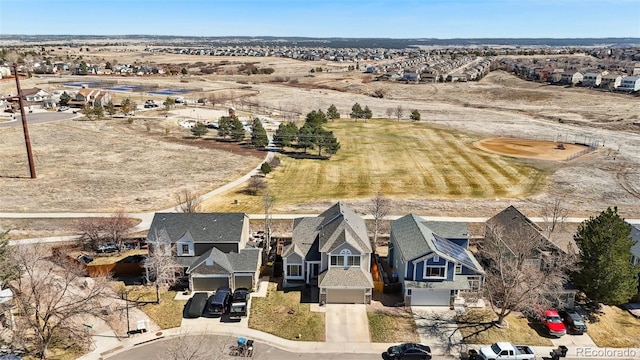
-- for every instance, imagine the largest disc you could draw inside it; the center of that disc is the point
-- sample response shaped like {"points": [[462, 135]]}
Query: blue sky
{"points": [[443, 19]]}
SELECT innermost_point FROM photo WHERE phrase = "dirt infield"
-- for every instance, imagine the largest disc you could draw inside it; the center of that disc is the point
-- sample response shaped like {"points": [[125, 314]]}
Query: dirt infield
{"points": [[530, 149]]}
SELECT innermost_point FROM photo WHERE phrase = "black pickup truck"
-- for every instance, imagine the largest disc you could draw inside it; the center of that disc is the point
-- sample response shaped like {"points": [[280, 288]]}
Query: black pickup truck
{"points": [[238, 307]]}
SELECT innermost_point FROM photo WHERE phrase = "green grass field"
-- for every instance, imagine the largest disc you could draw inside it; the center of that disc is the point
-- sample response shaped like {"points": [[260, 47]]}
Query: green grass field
{"points": [[401, 160]]}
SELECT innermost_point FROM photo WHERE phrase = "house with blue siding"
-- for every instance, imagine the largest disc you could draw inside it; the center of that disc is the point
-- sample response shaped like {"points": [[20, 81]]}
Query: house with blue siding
{"points": [[433, 266]]}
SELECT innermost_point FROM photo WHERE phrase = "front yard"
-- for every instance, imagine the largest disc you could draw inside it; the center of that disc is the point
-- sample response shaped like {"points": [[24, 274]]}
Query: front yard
{"points": [[285, 314], [391, 326], [615, 328], [476, 328], [167, 314]]}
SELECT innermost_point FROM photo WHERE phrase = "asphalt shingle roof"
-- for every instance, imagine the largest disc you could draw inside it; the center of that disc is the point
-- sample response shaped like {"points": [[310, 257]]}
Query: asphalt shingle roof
{"points": [[414, 239], [353, 277], [245, 261], [201, 227], [333, 228]]}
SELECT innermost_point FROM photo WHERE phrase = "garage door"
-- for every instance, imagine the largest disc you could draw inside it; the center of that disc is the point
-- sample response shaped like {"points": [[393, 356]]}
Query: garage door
{"points": [[244, 282], [209, 283], [430, 297], [345, 296]]}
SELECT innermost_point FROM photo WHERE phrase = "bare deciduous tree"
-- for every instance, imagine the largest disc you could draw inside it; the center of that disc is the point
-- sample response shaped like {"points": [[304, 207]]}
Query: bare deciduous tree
{"points": [[188, 202], [554, 215], [398, 112], [188, 346], [255, 184], [161, 268], [213, 99], [267, 201], [97, 231], [523, 270], [53, 299], [389, 112], [379, 208]]}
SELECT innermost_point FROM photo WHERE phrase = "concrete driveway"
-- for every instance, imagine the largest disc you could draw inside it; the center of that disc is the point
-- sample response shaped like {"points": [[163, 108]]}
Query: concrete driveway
{"points": [[437, 328], [346, 323]]}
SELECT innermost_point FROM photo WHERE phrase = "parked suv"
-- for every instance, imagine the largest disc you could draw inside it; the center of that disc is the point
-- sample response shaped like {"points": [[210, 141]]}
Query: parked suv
{"points": [[574, 322], [218, 303]]}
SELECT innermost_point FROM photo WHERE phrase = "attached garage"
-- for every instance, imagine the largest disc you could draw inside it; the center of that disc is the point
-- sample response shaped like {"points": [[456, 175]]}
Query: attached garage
{"points": [[243, 281], [429, 297], [209, 283], [345, 296]]}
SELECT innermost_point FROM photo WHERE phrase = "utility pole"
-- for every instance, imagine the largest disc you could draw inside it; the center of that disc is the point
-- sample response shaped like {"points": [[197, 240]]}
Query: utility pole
{"points": [[27, 141]]}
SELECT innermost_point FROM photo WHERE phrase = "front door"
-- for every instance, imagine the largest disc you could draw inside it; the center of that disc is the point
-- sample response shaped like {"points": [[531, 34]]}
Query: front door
{"points": [[313, 273]]}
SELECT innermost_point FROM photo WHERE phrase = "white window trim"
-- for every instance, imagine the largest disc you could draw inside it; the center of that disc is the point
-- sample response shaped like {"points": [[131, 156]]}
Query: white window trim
{"points": [[424, 271], [301, 276], [344, 255], [458, 269], [179, 251]]}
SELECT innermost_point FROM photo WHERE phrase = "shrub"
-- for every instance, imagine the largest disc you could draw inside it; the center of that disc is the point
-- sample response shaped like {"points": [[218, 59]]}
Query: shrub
{"points": [[265, 168]]}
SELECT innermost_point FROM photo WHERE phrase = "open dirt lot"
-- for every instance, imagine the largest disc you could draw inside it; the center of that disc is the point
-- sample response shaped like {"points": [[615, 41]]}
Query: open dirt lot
{"points": [[110, 165], [530, 149]]}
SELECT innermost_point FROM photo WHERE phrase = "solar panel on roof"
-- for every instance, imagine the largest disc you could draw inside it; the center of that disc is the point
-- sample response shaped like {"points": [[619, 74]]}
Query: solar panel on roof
{"points": [[454, 250]]}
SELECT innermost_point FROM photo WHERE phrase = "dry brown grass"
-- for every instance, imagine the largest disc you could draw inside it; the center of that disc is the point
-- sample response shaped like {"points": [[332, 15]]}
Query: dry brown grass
{"points": [[615, 328], [476, 327], [392, 327], [281, 313]]}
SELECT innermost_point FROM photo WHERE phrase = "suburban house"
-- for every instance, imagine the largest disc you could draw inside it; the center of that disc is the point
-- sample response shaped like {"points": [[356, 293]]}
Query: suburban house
{"points": [[432, 260], [333, 251], [630, 83], [592, 79], [90, 97], [34, 96], [611, 81], [212, 249], [511, 223], [571, 77]]}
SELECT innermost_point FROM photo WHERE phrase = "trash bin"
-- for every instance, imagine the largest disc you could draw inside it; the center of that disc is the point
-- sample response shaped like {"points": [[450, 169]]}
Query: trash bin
{"points": [[563, 350], [555, 354]]}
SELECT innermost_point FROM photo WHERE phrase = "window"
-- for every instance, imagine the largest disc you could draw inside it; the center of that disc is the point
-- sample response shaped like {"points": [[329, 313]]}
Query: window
{"points": [[434, 271], [436, 259], [458, 269], [335, 260], [474, 283], [185, 249], [345, 260], [353, 260], [294, 270]]}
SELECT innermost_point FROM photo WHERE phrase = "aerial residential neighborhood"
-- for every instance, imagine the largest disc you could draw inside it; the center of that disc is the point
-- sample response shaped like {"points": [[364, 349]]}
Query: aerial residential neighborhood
{"points": [[319, 180]]}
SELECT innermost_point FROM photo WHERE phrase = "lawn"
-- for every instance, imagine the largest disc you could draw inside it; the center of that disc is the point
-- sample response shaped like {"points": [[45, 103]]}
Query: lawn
{"points": [[167, 314], [476, 328], [400, 159], [281, 313], [615, 328], [392, 327]]}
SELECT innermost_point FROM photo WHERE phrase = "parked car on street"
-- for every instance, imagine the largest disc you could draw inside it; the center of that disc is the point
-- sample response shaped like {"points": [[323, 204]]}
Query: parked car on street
{"points": [[9, 110], [63, 108], [573, 322], [552, 322], [409, 351], [506, 351]]}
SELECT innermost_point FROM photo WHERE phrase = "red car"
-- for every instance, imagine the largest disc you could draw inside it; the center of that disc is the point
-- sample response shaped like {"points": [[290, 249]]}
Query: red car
{"points": [[9, 110], [552, 321]]}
